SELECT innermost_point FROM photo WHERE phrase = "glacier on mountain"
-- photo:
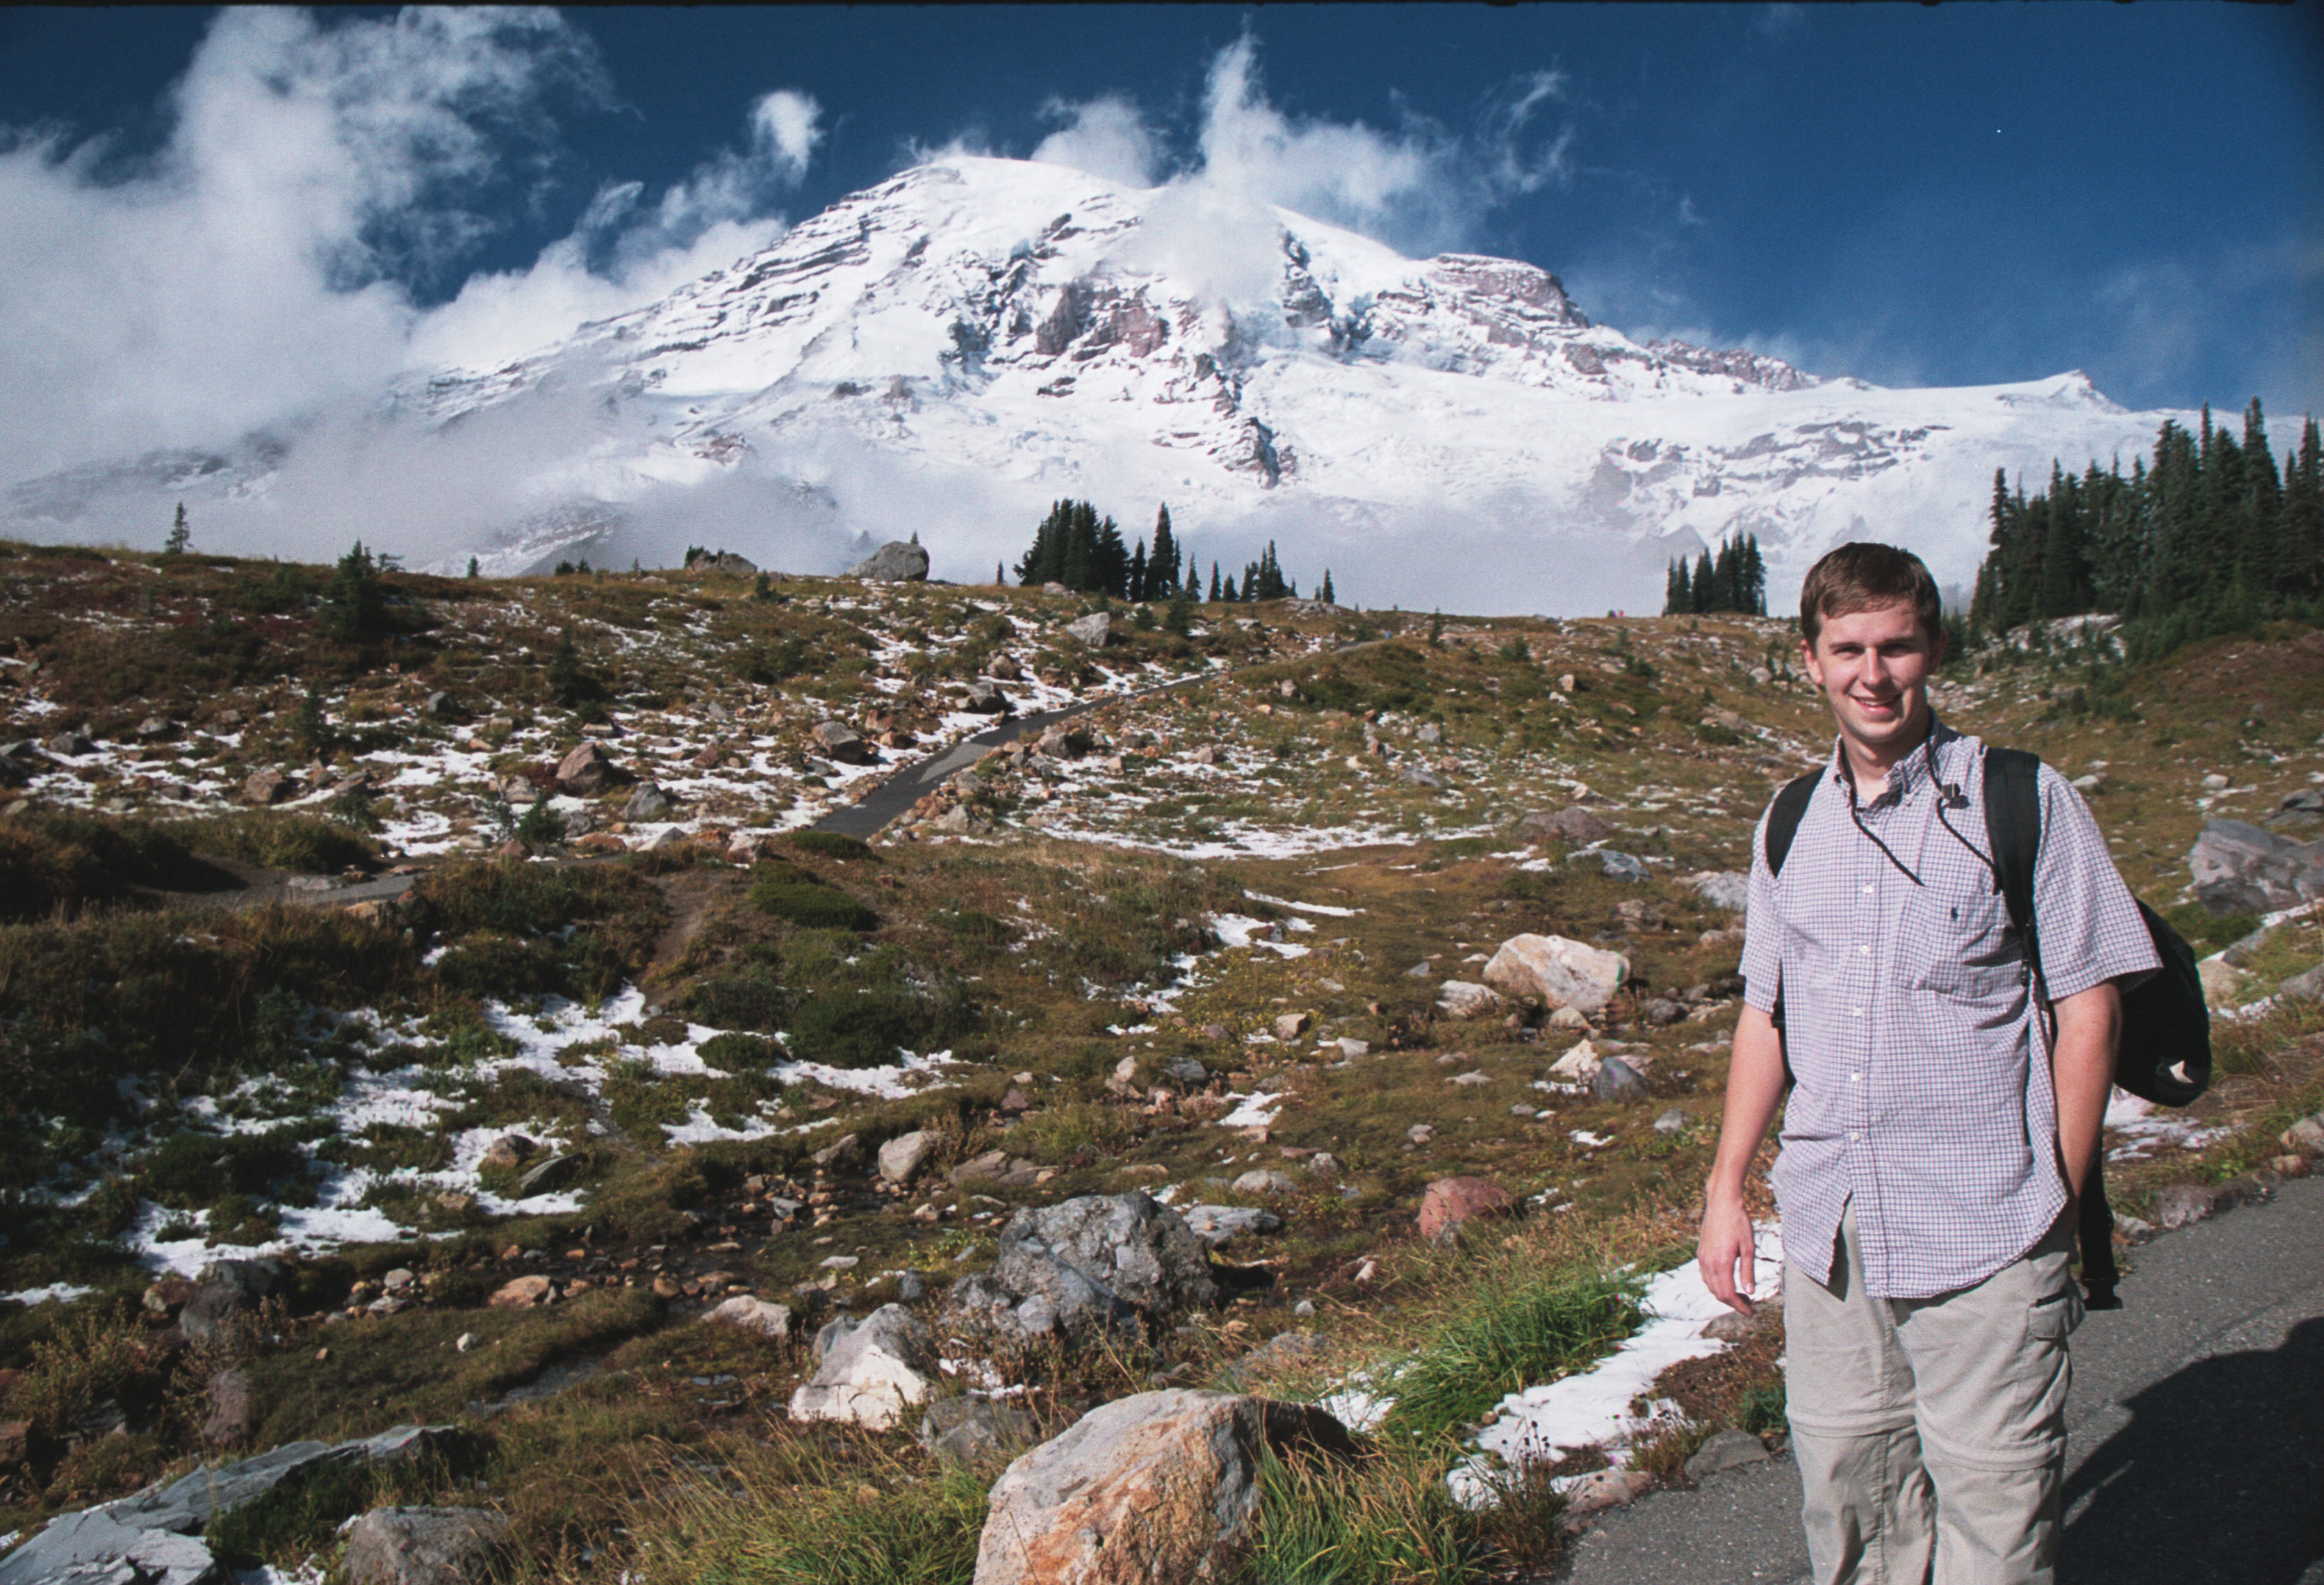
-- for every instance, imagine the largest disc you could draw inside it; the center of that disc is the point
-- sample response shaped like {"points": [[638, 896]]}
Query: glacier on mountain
{"points": [[949, 351]]}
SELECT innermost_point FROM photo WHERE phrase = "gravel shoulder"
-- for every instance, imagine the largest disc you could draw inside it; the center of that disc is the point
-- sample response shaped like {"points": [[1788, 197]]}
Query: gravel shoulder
{"points": [[2197, 1452]]}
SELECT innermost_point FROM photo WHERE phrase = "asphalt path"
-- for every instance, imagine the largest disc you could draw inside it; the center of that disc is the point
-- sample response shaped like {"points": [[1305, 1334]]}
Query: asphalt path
{"points": [[2197, 1421]]}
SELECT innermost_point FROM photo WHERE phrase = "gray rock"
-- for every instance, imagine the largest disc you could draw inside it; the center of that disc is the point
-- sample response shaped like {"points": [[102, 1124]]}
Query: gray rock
{"points": [[970, 1429], [1463, 998], [1420, 775], [1617, 1081], [1621, 866], [1101, 1261], [1159, 1486], [1728, 1449], [1186, 1071], [2245, 869], [234, 1408], [911, 1287], [647, 802], [1421, 971], [155, 728], [902, 1157], [1265, 1181], [425, 1546], [1673, 1121], [1219, 1225], [1561, 973], [2305, 986], [223, 1290], [70, 745], [443, 706], [1726, 888], [2243, 950], [897, 561], [1095, 630], [587, 771], [873, 1374], [94, 1548], [843, 1152], [549, 1176], [2179, 1205], [1663, 1011], [754, 1315], [985, 699], [827, 1337], [842, 743]]}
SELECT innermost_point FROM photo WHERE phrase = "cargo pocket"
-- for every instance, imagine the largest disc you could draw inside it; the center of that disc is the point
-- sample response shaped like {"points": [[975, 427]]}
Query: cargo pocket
{"points": [[2055, 1318]]}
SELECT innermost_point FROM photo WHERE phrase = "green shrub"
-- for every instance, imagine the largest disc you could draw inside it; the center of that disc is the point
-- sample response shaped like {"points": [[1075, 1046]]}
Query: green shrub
{"points": [[190, 1170], [812, 904], [859, 1029], [743, 996], [301, 843], [834, 845], [1515, 1331]]}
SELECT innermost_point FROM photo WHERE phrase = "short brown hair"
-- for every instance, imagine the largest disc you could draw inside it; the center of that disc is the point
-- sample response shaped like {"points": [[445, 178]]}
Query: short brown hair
{"points": [[1863, 575]]}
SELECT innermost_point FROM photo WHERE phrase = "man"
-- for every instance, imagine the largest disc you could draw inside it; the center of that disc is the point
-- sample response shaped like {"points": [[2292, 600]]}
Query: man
{"points": [[1937, 1131]]}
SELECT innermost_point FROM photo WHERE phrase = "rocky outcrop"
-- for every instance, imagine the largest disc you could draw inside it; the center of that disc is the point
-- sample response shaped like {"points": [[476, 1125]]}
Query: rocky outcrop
{"points": [[2241, 868], [1561, 973], [587, 771], [897, 561], [224, 1291], [754, 1315], [1159, 1486], [1089, 1264], [842, 742], [425, 1546], [1448, 1202], [1095, 630], [873, 1374]]}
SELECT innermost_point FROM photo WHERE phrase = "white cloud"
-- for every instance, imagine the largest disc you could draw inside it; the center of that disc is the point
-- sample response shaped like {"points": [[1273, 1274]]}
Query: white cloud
{"points": [[787, 126], [1106, 136]]}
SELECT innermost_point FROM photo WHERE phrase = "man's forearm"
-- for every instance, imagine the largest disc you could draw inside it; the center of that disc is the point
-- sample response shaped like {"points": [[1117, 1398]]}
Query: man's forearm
{"points": [[2081, 1070], [1755, 1089]]}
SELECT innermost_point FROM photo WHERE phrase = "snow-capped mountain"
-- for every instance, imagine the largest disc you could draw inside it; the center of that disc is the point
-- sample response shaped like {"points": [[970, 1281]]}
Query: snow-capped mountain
{"points": [[949, 351]]}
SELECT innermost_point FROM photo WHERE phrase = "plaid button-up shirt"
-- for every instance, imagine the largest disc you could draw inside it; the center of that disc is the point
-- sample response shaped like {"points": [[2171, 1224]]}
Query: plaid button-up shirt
{"points": [[1908, 1017]]}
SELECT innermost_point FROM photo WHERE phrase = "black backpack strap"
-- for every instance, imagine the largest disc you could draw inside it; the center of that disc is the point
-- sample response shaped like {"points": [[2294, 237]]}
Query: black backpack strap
{"points": [[1791, 806]]}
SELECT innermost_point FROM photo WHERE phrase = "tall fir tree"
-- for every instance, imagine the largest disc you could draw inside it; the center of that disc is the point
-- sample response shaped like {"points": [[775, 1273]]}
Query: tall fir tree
{"points": [[1215, 596], [1325, 594], [1138, 590], [180, 535], [1165, 559], [1678, 589]]}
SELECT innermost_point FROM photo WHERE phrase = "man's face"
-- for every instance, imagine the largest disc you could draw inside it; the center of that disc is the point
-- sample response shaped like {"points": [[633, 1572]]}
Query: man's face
{"points": [[1873, 666]]}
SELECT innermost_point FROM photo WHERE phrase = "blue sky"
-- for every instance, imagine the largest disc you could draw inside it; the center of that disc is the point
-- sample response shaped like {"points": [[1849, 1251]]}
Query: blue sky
{"points": [[1962, 194]]}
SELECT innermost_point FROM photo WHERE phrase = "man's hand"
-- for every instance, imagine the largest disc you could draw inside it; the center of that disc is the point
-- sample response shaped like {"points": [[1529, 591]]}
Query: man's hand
{"points": [[1755, 1087]]}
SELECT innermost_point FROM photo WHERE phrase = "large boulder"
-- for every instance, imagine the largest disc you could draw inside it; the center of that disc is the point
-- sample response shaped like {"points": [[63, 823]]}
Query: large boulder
{"points": [[2240, 868], [985, 699], [902, 1157], [587, 771], [1090, 1264], [425, 1546], [873, 1374], [1095, 630], [1161, 1485], [1563, 973], [897, 561], [842, 742]]}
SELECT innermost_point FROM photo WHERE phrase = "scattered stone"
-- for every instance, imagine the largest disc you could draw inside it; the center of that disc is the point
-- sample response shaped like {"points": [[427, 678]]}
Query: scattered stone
{"points": [[972, 1427], [897, 561], [1095, 630], [16, 1442], [264, 789], [1265, 1181], [843, 1152], [156, 729], [1727, 1450], [1448, 1202], [1563, 973], [2181, 1205], [442, 706], [1601, 1490], [1292, 1026], [521, 1293], [1186, 1071], [754, 1315], [1420, 775], [2306, 1135], [985, 699], [902, 1157], [1732, 1326], [1420, 1133], [2305, 986], [1661, 1012], [1576, 825], [647, 802], [508, 1153], [1219, 1225], [233, 1409], [1471, 1080], [1160, 1486], [1578, 1065], [842, 743], [1097, 1261], [425, 1546], [1617, 1081], [2222, 982], [225, 1290], [70, 745], [549, 1176], [873, 1374], [1461, 998], [1620, 867], [1673, 1121]]}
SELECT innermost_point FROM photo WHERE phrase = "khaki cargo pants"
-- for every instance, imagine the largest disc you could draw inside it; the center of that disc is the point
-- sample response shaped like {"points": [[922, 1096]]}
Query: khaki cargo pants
{"points": [[1932, 1433]]}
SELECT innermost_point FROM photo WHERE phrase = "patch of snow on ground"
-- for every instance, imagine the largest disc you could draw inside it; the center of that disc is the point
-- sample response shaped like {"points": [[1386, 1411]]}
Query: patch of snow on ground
{"points": [[57, 1293], [2145, 1131], [1592, 1408], [1323, 908], [1257, 1111]]}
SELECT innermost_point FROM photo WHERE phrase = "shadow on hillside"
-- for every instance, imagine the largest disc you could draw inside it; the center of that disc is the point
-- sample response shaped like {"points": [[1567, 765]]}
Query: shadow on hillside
{"points": [[2219, 1477]]}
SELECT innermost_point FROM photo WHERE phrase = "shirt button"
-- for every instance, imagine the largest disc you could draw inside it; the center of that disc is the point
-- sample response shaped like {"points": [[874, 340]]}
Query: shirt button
{"points": [[1856, 1012], [1867, 889], [1863, 951], [1856, 1077], [1853, 1136]]}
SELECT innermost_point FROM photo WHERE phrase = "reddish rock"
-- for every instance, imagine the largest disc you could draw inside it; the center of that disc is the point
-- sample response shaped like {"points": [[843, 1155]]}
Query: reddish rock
{"points": [[521, 1293], [587, 771], [168, 1295], [1450, 1201], [266, 788]]}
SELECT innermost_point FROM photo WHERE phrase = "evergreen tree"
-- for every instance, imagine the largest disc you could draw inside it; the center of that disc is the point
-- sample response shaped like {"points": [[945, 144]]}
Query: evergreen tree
{"points": [[1138, 590], [1230, 597], [1678, 591], [1215, 596], [1325, 594], [1163, 578], [475, 570], [180, 536], [1179, 616], [352, 606], [1705, 588]]}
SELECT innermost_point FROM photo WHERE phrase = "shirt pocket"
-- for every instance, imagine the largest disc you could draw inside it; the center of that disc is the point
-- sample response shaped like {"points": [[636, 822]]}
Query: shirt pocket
{"points": [[1961, 960]]}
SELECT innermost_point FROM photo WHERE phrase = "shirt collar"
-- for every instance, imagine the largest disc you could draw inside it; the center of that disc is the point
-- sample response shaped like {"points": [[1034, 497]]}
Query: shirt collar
{"points": [[1908, 775]]}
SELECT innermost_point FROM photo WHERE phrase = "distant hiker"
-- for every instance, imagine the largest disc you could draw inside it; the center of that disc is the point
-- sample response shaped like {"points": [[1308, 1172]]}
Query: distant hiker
{"points": [[1935, 1142]]}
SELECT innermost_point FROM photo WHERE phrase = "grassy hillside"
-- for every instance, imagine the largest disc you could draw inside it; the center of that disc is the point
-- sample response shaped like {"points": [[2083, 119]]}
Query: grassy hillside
{"points": [[711, 1016]]}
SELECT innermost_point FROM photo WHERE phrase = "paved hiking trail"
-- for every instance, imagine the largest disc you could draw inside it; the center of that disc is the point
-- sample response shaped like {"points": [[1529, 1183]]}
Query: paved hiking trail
{"points": [[2198, 1433]]}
